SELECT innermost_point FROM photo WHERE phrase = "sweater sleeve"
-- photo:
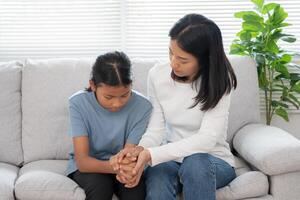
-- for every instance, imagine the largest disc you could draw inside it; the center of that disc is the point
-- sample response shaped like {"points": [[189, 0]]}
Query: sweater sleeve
{"points": [[156, 130], [213, 126]]}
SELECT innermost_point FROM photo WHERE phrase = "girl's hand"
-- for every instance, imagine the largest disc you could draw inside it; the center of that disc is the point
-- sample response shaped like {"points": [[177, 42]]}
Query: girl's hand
{"points": [[113, 161]]}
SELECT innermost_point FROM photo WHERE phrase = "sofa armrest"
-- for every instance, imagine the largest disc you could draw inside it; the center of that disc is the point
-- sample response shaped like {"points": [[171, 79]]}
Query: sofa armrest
{"points": [[269, 149]]}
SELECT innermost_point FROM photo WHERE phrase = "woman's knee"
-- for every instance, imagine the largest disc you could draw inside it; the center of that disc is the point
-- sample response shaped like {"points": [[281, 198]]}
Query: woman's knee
{"points": [[197, 166]]}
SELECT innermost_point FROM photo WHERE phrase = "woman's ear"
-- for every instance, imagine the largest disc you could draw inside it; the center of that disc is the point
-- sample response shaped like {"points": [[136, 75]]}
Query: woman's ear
{"points": [[92, 85]]}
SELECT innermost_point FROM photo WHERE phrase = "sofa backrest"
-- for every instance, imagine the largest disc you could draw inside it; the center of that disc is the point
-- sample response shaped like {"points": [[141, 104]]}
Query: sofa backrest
{"points": [[244, 108], [47, 84], [10, 113]]}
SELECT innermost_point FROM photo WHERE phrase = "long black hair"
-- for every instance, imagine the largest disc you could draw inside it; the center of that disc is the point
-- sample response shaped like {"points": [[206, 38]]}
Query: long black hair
{"points": [[113, 69], [202, 38]]}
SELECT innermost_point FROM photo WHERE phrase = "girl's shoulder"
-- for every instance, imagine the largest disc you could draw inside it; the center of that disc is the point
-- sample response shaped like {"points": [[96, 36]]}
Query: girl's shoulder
{"points": [[140, 99], [79, 96]]}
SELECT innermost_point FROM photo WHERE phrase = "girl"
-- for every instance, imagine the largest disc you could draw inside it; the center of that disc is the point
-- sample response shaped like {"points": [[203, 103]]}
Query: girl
{"points": [[191, 99], [104, 119]]}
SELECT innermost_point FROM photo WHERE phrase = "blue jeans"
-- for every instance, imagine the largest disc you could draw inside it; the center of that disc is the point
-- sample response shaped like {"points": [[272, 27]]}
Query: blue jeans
{"points": [[198, 177]]}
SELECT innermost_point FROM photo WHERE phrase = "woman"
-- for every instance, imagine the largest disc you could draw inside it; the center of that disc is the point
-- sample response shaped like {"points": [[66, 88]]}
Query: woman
{"points": [[106, 118], [185, 142]]}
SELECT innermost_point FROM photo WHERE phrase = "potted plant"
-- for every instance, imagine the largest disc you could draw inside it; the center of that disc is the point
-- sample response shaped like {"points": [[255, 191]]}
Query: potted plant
{"points": [[262, 29]]}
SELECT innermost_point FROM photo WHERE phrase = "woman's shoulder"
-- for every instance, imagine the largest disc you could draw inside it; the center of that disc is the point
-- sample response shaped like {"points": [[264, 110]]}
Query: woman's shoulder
{"points": [[160, 69], [160, 74]]}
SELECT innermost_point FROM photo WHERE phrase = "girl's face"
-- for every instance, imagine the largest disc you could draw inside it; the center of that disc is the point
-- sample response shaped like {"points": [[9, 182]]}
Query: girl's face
{"points": [[112, 98], [183, 63]]}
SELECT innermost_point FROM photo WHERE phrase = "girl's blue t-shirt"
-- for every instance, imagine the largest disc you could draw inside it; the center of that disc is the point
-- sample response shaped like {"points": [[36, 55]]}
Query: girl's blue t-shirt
{"points": [[107, 131]]}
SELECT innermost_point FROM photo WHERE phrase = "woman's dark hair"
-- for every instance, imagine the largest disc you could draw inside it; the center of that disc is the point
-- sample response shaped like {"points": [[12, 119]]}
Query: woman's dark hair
{"points": [[113, 69], [202, 38]]}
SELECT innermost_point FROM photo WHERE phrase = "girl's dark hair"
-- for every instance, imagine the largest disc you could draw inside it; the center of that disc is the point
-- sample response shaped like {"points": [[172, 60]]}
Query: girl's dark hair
{"points": [[202, 38], [113, 69]]}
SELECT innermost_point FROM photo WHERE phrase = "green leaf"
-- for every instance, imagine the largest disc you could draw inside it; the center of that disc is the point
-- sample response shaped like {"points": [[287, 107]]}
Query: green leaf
{"points": [[289, 39], [277, 34], [262, 81], [282, 113], [242, 13], [278, 103], [237, 49], [294, 98], [258, 3], [245, 35], [254, 18], [283, 70], [287, 99], [286, 58], [272, 46], [295, 76], [279, 15], [281, 25], [268, 7], [281, 86], [296, 87], [252, 26]]}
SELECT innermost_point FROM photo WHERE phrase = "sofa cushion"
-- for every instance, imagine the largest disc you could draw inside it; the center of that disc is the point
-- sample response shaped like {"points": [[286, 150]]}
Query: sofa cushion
{"points": [[10, 113], [247, 184], [46, 86], [46, 179], [8, 175]]}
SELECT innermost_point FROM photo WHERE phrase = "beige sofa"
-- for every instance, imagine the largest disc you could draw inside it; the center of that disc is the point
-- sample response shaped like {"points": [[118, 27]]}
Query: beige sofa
{"points": [[34, 144]]}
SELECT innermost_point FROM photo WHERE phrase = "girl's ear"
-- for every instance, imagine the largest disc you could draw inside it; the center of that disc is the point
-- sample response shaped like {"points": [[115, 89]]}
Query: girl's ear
{"points": [[92, 85]]}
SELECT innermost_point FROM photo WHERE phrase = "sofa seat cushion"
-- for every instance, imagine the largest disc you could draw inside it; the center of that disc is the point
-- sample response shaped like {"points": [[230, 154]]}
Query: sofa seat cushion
{"points": [[247, 184], [8, 175], [10, 113], [46, 179]]}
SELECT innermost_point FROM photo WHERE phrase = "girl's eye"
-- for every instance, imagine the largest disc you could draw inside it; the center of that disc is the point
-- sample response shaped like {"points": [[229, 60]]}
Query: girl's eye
{"points": [[126, 95], [109, 98]]}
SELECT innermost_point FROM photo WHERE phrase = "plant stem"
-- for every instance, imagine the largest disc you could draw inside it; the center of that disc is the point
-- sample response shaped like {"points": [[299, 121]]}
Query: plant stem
{"points": [[270, 94], [266, 95]]}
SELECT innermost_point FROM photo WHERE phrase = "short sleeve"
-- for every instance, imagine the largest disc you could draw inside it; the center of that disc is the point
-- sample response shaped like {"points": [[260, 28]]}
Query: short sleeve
{"points": [[139, 127], [77, 124]]}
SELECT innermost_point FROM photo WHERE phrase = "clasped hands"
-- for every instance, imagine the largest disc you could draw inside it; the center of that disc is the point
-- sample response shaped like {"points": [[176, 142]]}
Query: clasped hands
{"points": [[129, 165]]}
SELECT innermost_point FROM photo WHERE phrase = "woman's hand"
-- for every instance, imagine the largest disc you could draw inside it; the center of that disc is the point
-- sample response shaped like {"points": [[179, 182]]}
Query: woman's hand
{"points": [[124, 162], [143, 158], [130, 154]]}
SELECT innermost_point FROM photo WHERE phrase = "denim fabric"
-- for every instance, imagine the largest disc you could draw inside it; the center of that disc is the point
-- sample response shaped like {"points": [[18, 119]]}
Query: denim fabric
{"points": [[198, 177]]}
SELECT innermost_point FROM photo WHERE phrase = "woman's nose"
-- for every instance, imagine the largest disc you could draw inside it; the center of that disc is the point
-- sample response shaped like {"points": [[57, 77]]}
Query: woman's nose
{"points": [[174, 64]]}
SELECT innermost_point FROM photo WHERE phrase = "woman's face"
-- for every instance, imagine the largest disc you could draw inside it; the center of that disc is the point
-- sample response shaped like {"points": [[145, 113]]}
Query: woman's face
{"points": [[112, 98], [183, 64]]}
